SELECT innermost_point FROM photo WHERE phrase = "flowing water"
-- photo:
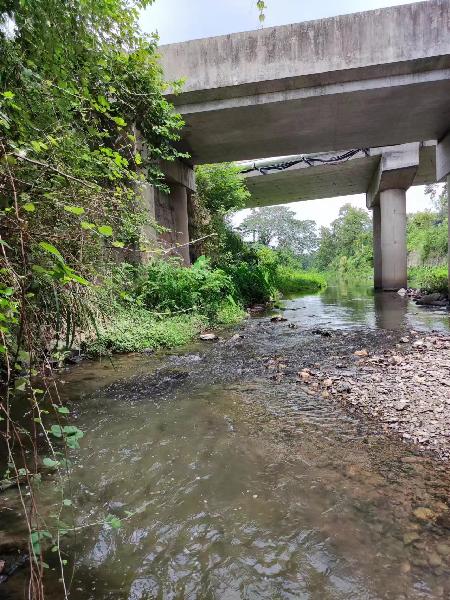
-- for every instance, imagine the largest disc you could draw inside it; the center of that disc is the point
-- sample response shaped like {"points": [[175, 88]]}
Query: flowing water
{"points": [[242, 486]]}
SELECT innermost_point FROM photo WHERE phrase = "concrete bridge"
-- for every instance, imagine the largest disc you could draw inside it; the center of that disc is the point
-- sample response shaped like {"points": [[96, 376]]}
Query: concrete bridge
{"points": [[377, 79]]}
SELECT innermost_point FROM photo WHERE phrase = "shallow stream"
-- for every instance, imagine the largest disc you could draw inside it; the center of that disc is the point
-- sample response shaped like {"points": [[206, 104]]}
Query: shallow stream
{"points": [[241, 485]]}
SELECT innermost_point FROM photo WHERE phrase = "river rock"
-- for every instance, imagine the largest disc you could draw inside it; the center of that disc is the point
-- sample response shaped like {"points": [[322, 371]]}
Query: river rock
{"points": [[362, 352], [304, 375], [208, 337], [409, 537], [405, 567], [278, 319], [434, 559], [322, 332], [344, 387], [401, 405], [443, 549], [435, 299], [424, 514]]}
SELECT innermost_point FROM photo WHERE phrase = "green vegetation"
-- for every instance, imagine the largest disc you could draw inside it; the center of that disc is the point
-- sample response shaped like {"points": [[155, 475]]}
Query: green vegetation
{"points": [[428, 243], [162, 304], [429, 279], [345, 247], [75, 78], [277, 226], [291, 282], [258, 270]]}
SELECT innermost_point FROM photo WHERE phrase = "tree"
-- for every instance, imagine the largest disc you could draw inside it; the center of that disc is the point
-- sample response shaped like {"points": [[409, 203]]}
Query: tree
{"points": [[278, 226], [438, 194], [347, 244]]}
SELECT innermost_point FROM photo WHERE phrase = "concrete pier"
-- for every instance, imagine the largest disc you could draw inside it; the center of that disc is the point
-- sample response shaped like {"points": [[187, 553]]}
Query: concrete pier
{"points": [[386, 196], [393, 239]]}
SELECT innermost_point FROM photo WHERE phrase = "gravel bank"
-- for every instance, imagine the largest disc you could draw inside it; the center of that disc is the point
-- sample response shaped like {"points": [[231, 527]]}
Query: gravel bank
{"points": [[406, 388]]}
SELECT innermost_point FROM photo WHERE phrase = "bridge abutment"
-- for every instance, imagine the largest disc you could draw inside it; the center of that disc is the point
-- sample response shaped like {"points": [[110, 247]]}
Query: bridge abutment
{"points": [[179, 199]]}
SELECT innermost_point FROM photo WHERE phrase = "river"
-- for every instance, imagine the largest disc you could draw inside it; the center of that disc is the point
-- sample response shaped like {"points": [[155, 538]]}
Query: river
{"points": [[239, 484]]}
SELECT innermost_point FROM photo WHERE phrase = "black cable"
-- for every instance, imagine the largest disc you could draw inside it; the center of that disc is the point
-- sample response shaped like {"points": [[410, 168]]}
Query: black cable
{"points": [[309, 160]]}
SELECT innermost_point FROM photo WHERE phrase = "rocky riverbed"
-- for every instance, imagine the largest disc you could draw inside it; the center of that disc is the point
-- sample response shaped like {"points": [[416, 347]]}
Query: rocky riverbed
{"points": [[405, 388]]}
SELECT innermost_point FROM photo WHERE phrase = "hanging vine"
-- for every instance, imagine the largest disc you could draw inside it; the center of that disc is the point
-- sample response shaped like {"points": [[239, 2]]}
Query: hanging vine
{"points": [[261, 6], [75, 77]]}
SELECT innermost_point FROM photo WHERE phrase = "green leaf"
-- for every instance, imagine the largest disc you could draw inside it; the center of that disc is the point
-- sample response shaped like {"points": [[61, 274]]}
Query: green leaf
{"points": [[75, 210], [21, 384], [114, 522], [118, 244], [29, 207], [67, 502], [119, 121], [87, 225], [62, 410], [72, 435], [105, 230], [56, 430], [8, 95], [51, 249], [79, 279], [49, 462]]}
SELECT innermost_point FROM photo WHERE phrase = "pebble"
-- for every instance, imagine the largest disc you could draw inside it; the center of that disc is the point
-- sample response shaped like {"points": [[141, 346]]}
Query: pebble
{"points": [[361, 352], [443, 549], [208, 337], [415, 382], [409, 537], [434, 559], [424, 514]]}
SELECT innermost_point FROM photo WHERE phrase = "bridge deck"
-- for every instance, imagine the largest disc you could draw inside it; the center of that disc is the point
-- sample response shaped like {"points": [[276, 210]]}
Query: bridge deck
{"points": [[368, 79]]}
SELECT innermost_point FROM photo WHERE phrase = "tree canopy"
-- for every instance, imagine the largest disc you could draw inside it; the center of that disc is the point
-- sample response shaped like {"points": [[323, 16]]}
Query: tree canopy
{"points": [[278, 226], [347, 243]]}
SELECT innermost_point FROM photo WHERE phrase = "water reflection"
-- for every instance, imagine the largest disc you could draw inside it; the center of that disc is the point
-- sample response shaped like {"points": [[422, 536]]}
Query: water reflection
{"points": [[250, 488], [390, 310], [345, 305]]}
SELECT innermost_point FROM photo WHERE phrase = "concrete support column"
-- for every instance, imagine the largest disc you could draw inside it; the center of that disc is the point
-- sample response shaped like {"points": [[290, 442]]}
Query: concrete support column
{"points": [[386, 196], [377, 264], [179, 200], [393, 239]]}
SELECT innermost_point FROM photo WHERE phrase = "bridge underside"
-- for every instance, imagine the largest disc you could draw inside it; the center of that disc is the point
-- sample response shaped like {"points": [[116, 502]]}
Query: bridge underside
{"points": [[353, 176], [363, 80], [364, 113], [377, 79]]}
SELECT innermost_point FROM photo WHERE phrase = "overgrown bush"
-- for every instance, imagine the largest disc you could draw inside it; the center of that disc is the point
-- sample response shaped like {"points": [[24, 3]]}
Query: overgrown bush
{"points": [[290, 281], [168, 287], [428, 236], [429, 279], [133, 329], [162, 304]]}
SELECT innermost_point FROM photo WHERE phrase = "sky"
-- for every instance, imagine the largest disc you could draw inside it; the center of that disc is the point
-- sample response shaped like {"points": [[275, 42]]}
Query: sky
{"points": [[181, 20]]}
